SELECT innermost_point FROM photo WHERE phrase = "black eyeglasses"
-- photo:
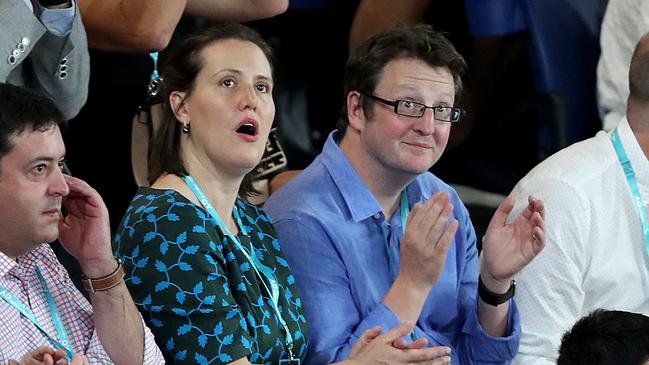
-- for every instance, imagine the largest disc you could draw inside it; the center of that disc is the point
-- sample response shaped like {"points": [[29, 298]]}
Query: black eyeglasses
{"points": [[413, 109]]}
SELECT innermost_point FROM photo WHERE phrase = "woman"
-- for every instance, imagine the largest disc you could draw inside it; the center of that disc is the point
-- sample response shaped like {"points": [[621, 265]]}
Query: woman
{"points": [[203, 265]]}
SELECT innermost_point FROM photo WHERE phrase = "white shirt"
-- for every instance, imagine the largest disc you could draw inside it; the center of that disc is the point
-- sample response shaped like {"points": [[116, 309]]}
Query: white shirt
{"points": [[625, 21], [595, 255]]}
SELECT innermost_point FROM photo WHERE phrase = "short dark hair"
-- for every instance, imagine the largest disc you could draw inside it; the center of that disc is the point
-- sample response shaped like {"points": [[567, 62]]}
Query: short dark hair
{"points": [[179, 74], [606, 338], [365, 66], [23, 109]]}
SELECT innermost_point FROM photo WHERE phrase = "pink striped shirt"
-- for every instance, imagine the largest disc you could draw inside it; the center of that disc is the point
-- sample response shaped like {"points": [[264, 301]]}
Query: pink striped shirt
{"points": [[18, 335]]}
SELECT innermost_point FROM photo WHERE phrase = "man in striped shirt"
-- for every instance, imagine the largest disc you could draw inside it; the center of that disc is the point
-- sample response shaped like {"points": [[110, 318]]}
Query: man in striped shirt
{"points": [[44, 318]]}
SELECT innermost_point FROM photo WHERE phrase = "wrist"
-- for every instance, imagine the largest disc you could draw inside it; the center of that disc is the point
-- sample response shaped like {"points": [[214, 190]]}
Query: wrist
{"points": [[412, 288], [498, 286], [111, 280], [406, 299], [495, 298], [99, 267]]}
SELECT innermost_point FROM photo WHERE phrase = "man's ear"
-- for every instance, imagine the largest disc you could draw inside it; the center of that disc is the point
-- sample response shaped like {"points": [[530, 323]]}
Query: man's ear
{"points": [[355, 112], [178, 102]]}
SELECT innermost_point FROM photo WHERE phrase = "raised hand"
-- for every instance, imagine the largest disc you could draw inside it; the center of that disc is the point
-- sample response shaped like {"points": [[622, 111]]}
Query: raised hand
{"points": [[508, 248], [424, 248], [425, 244], [85, 231], [373, 348]]}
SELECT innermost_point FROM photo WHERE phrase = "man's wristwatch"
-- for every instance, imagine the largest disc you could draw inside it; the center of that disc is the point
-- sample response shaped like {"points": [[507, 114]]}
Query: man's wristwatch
{"points": [[492, 298], [104, 283]]}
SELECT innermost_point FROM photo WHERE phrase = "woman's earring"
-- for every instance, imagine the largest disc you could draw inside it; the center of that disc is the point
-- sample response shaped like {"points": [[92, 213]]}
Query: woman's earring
{"points": [[186, 128]]}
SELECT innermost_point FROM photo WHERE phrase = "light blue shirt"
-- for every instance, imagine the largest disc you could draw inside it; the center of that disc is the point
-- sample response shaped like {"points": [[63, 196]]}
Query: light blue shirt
{"points": [[57, 21], [329, 224]]}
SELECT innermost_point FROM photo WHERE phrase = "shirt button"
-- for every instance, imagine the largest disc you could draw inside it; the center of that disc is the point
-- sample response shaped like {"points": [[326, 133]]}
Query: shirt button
{"points": [[64, 61], [63, 75], [25, 41], [11, 60], [377, 216], [15, 53], [20, 47]]}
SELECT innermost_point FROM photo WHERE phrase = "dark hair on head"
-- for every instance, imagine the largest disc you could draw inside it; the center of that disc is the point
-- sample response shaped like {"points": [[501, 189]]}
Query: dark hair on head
{"points": [[23, 109], [606, 338], [179, 74], [367, 62]]}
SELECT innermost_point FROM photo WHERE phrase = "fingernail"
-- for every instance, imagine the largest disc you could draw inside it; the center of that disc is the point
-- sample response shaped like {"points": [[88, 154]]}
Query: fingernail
{"points": [[447, 359], [448, 350]]}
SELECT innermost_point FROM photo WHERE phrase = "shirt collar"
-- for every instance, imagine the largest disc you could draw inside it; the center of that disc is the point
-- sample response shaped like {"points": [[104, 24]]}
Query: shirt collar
{"points": [[358, 198], [25, 266], [7, 264], [356, 195]]}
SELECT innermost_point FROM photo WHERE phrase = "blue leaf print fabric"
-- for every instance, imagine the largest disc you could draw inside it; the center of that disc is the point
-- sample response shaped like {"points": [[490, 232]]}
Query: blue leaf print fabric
{"points": [[196, 290]]}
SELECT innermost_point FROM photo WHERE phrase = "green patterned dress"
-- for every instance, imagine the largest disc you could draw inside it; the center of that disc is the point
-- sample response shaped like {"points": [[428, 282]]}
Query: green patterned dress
{"points": [[195, 288]]}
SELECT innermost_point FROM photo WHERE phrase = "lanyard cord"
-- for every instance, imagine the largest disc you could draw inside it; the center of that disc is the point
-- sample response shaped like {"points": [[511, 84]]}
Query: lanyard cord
{"points": [[62, 342], [392, 260], [260, 269], [633, 184]]}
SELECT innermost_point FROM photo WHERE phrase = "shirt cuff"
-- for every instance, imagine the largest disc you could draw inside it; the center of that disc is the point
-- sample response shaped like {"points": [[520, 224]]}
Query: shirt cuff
{"points": [[382, 316], [58, 21], [494, 349]]}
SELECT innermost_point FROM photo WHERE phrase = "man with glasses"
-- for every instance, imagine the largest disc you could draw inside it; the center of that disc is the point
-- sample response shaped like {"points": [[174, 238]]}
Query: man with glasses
{"points": [[373, 238]]}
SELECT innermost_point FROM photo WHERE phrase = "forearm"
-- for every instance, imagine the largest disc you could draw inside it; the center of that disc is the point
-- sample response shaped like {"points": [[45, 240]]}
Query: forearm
{"points": [[118, 325], [235, 10], [117, 321], [130, 25], [374, 16]]}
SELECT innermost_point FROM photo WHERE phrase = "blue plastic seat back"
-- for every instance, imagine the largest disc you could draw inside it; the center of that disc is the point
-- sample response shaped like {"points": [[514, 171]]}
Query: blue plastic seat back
{"points": [[564, 50], [564, 43]]}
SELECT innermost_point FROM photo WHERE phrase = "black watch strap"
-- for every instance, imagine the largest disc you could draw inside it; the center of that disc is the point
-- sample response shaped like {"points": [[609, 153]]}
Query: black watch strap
{"points": [[492, 298], [47, 3]]}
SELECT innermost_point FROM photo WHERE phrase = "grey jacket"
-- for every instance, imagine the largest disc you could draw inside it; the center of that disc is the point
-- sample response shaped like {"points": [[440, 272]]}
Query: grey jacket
{"points": [[31, 56]]}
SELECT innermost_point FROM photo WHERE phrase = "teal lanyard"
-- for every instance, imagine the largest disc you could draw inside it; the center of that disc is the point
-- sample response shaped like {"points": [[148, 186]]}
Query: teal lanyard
{"points": [[391, 257], [389, 254], [633, 184], [154, 74], [63, 343], [260, 269]]}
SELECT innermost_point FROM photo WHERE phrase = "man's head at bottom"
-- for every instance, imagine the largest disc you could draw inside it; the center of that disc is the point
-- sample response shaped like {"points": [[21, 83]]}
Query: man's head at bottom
{"points": [[607, 338]]}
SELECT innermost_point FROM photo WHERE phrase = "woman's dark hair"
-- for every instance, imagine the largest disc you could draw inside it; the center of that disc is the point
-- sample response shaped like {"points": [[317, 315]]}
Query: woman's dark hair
{"points": [[179, 74], [365, 65]]}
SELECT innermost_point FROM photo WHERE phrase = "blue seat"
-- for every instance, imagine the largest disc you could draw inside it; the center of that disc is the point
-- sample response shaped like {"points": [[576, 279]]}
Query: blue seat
{"points": [[564, 50], [487, 18]]}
